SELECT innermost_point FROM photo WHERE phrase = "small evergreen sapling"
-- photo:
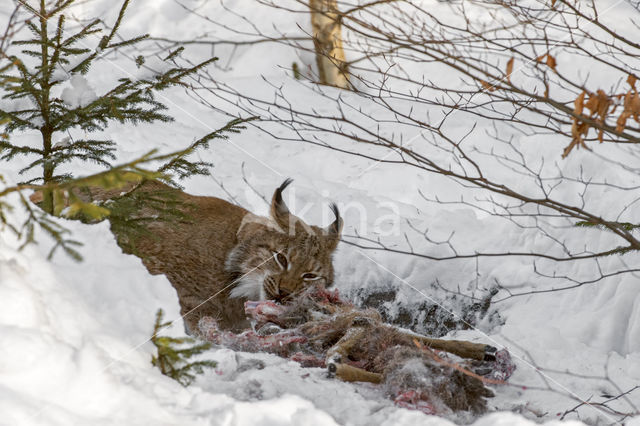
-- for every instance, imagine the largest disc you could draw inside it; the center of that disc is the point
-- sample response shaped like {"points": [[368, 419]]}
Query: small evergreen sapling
{"points": [[51, 57], [174, 354], [29, 81]]}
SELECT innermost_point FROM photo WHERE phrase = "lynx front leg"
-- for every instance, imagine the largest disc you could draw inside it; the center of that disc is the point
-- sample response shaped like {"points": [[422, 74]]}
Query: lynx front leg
{"points": [[461, 348]]}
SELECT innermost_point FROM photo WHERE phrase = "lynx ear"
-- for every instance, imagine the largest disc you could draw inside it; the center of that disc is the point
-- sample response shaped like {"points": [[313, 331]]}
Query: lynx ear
{"points": [[279, 211], [334, 230]]}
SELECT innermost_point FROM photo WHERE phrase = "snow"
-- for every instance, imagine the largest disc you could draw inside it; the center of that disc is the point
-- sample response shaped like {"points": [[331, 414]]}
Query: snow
{"points": [[74, 343], [63, 143], [80, 93]]}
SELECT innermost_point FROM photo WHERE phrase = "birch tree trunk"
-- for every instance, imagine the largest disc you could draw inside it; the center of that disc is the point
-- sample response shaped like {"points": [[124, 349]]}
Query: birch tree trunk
{"points": [[327, 39]]}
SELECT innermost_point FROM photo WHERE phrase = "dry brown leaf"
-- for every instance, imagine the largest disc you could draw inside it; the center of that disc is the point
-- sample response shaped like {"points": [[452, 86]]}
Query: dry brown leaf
{"points": [[598, 105], [579, 103], [569, 147], [583, 128], [631, 79], [592, 104], [578, 131], [603, 103], [487, 86], [622, 121], [509, 69], [551, 62], [635, 107], [574, 129]]}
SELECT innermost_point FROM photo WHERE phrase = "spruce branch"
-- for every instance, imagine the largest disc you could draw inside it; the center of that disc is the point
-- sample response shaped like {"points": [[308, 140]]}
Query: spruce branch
{"points": [[65, 203], [606, 226], [182, 167], [105, 43], [174, 354]]}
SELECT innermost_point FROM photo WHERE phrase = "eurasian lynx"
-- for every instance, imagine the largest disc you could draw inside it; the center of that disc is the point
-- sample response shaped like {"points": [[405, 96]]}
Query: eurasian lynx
{"points": [[222, 254]]}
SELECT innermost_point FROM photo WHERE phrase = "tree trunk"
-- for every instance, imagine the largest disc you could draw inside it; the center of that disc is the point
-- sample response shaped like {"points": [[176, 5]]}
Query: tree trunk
{"points": [[327, 39], [47, 177]]}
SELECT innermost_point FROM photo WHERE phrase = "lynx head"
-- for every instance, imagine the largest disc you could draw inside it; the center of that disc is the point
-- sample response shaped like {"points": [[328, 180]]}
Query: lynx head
{"points": [[280, 255]]}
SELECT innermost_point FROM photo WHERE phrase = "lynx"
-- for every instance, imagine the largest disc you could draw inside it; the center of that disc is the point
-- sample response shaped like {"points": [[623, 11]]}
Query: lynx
{"points": [[222, 255]]}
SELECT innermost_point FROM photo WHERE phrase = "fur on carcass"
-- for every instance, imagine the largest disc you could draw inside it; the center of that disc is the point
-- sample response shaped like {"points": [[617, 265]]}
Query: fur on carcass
{"points": [[318, 329]]}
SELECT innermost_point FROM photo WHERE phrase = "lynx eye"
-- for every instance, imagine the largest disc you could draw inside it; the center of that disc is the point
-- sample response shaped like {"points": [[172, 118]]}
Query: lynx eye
{"points": [[310, 277], [281, 259]]}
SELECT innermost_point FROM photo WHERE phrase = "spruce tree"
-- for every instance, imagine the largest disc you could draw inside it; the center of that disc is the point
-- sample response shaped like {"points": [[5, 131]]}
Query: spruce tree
{"points": [[50, 58]]}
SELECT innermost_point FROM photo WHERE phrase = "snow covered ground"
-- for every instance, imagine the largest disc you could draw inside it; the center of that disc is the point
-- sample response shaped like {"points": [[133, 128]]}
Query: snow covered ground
{"points": [[74, 336]]}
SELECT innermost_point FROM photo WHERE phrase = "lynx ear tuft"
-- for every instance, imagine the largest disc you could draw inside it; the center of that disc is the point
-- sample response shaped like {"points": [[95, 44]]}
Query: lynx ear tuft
{"points": [[334, 230], [279, 210]]}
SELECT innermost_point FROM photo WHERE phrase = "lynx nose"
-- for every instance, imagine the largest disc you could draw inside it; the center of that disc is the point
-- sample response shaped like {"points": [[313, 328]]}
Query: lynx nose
{"points": [[283, 294]]}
